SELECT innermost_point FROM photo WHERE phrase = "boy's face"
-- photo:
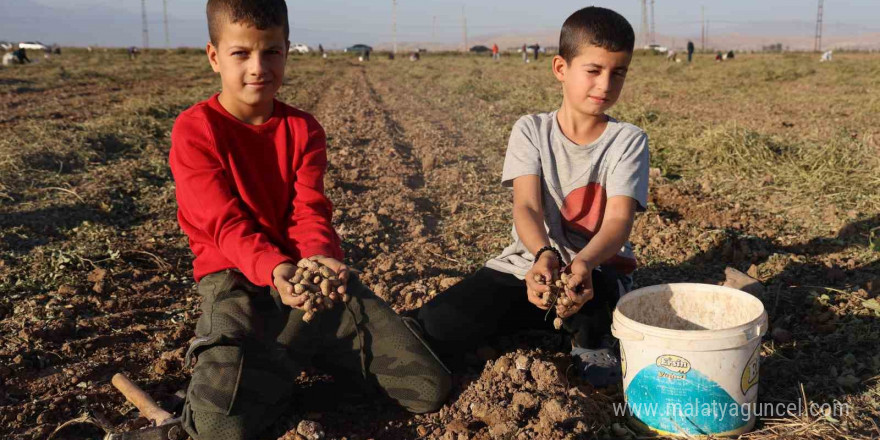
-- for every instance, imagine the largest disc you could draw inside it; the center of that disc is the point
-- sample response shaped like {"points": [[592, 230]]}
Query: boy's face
{"points": [[251, 63], [593, 80]]}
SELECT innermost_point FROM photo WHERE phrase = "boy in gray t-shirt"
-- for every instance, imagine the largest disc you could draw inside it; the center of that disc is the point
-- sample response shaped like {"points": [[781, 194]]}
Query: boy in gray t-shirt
{"points": [[578, 178]]}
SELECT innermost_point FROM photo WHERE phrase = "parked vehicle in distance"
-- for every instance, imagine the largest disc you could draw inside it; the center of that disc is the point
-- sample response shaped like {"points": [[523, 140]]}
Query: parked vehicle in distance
{"points": [[5, 45], [32, 45], [299, 48], [358, 48], [657, 48], [480, 49]]}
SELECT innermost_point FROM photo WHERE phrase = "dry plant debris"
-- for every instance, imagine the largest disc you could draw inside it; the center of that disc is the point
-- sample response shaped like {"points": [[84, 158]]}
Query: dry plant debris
{"points": [[555, 296]]}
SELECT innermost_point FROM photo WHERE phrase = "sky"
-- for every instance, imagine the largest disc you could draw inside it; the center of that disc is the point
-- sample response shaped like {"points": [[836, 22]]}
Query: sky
{"points": [[340, 23]]}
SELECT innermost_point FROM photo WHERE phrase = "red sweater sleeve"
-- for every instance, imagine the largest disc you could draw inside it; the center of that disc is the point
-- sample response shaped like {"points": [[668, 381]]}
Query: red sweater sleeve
{"points": [[309, 226], [207, 204]]}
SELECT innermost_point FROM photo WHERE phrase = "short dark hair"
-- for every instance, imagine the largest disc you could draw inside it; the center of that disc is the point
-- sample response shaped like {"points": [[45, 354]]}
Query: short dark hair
{"points": [[597, 27], [261, 14]]}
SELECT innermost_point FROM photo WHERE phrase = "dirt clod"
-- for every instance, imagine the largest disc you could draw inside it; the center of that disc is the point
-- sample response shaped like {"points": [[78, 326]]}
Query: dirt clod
{"points": [[310, 430]]}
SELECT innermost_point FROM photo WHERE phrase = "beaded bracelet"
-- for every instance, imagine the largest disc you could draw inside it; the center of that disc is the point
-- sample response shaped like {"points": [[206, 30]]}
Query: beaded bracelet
{"points": [[549, 248]]}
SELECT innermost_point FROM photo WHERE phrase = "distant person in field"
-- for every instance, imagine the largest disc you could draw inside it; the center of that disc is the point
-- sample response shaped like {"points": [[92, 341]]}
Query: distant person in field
{"points": [[525, 53], [249, 176], [690, 50], [578, 178], [826, 56], [133, 52], [20, 55], [495, 55], [321, 50], [730, 55], [719, 57], [537, 50]]}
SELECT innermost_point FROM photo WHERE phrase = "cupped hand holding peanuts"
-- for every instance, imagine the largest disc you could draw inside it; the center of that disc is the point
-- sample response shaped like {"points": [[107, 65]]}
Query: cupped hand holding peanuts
{"points": [[546, 267], [579, 288], [281, 276], [313, 285], [336, 266]]}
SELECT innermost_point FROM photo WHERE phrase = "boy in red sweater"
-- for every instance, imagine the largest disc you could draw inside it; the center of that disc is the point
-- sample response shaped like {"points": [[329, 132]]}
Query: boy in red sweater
{"points": [[249, 172]]}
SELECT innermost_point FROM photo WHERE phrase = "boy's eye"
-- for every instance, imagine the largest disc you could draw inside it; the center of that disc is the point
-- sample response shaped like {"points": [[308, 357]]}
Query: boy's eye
{"points": [[593, 72], [620, 74]]}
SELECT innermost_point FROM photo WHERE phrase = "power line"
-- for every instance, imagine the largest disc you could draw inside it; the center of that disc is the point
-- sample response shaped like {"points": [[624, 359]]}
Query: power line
{"points": [[146, 33], [434, 29], [165, 21], [643, 31], [702, 28], [817, 45], [464, 28], [394, 24]]}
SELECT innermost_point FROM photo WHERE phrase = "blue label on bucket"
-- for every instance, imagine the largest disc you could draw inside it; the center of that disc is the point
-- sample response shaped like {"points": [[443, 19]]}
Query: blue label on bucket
{"points": [[671, 396]]}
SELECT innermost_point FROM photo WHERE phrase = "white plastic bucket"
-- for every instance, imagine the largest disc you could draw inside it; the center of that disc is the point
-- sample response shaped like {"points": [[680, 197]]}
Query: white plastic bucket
{"points": [[690, 357]]}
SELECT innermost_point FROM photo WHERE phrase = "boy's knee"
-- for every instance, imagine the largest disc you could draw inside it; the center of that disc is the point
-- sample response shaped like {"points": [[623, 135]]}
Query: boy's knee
{"points": [[409, 371], [207, 425], [424, 393], [230, 397], [215, 426]]}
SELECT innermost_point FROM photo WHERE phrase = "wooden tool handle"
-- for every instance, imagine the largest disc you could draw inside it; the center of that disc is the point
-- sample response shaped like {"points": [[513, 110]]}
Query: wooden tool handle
{"points": [[141, 400]]}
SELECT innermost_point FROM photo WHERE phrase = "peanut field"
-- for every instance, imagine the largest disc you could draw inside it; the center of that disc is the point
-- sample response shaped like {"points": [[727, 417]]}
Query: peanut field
{"points": [[769, 164]]}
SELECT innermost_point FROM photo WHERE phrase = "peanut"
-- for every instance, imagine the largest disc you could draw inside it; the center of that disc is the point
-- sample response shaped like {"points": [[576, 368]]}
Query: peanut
{"points": [[557, 296], [320, 285]]}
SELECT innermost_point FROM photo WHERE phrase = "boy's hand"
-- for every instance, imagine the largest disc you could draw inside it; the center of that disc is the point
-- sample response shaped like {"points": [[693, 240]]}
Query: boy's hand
{"points": [[579, 289], [547, 266], [336, 266], [281, 276]]}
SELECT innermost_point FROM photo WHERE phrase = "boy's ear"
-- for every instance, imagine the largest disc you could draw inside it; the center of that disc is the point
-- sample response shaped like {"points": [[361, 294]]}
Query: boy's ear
{"points": [[559, 67], [211, 51]]}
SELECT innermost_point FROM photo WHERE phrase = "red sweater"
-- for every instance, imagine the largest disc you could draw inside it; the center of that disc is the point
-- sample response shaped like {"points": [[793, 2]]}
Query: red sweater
{"points": [[251, 196]]}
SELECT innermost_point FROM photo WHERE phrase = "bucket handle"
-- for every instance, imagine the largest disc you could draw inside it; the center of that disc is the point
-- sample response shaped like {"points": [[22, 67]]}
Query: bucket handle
{"points": [[628, 334]]}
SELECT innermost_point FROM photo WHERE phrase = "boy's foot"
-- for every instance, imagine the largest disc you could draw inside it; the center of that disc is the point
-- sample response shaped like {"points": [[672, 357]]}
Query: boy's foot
{"points": [[599, 367]]}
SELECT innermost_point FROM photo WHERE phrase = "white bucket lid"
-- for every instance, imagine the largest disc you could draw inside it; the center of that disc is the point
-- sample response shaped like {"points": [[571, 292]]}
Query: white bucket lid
{"points": [[677, 316]]}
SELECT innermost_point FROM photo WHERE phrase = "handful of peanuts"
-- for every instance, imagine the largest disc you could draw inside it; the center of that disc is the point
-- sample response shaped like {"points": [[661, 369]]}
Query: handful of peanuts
{"points": [[556, 296], [320, 285]]}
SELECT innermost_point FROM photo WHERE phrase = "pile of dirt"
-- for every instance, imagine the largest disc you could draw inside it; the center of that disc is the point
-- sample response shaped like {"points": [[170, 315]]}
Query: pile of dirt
{"points": [[523, 395]]}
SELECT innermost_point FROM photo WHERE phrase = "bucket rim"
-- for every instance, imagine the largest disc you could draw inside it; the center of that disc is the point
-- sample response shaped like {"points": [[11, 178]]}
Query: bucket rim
{"points": [[758, 321]]}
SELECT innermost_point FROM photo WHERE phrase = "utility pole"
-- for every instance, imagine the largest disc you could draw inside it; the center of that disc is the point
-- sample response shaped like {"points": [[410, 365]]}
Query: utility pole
{"points": [[464, 28], [708, 43], [653, 29], [643, 32], [165, 20], [702, 28], [394, 24], [434, 29], [144, 20], [817, 46]]}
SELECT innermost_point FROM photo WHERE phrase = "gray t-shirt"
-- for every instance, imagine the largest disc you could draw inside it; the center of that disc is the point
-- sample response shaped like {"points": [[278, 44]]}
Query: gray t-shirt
{"points": [[577, 181]]}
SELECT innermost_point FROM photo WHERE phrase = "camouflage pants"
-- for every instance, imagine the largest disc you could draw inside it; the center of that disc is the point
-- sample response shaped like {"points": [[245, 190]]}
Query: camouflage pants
{"points": [[250, 347]]}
